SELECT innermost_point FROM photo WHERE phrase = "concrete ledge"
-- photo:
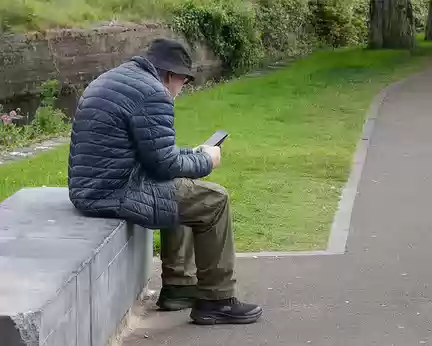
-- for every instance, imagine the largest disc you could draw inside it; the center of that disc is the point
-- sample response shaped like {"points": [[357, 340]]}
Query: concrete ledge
{"points": [[66, 280]]}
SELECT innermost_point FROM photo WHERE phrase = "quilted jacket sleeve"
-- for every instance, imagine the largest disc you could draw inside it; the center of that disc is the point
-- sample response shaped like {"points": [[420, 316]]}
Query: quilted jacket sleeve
{"points": [[154, 135], [186, 151]]}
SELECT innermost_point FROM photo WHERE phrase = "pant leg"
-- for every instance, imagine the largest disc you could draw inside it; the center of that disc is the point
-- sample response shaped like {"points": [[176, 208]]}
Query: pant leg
{"points": [[177, 256], [205, 207]]}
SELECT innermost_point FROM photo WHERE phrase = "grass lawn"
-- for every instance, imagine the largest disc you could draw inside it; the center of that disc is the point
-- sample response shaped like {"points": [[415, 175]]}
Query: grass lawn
{"points": [[293, 136]]}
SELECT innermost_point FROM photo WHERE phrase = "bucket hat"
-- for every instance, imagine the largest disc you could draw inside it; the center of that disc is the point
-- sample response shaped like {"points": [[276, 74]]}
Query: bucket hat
{"points": [[171, 56]]}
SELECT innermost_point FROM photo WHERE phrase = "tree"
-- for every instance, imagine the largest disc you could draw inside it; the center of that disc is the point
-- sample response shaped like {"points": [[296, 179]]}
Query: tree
{"points": [[391, 24], [428, 36]]}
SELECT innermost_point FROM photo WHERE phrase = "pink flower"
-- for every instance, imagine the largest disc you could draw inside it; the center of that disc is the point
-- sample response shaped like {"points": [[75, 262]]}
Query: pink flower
{"points": [[7, 120]]}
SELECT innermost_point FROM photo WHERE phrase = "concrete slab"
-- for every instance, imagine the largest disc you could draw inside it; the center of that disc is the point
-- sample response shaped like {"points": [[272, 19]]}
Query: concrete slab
{"points": [[61, 272]]}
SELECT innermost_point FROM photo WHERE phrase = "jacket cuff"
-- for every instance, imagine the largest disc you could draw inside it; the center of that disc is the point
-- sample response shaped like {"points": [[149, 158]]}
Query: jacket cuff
{"points": [[209, 161], [186, 151]]}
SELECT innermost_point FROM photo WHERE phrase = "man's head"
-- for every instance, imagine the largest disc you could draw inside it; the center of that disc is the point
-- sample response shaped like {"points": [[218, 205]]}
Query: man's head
{"points": [[173, 82], [173, 63]]}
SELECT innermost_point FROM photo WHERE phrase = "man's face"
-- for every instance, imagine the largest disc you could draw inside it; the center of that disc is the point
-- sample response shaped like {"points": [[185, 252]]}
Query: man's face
{"points": [[174, 83]]}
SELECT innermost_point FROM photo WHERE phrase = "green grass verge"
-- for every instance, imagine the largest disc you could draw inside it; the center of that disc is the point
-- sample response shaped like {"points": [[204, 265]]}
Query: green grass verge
{"points": [[293, 135], [49, 169]]}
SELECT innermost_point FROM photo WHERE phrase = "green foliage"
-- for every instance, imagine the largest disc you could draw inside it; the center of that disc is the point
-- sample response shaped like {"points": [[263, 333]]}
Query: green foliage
{"points": [[15, 14], [228, 30], [420, 12], [339, 23], [49, 92], [12, 135], [360, 21], [48, 121], [290, 37], [284, 27]]}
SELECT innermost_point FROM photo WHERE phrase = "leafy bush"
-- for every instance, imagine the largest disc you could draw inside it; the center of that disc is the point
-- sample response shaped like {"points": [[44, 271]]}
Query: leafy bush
{"points": [[49, 121], [290, 37], [420, 12], [360, 21], [239, 34], [339, 23], [230, 31], [49, 92]]}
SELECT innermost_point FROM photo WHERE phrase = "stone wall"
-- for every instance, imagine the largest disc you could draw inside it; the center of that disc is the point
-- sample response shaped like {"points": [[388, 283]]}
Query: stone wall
{"points": [[76, 56]]}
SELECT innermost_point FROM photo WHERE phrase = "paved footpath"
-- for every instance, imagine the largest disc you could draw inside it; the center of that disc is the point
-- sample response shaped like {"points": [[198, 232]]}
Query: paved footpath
{"points": [[380, 291]]}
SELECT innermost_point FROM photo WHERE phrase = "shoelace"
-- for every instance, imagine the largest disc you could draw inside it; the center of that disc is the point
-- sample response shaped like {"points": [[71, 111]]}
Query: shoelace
{"points": [[233, 301]]}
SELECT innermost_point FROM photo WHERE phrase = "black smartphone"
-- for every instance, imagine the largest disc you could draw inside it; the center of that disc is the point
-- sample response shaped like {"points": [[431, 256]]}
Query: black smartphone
{"points": [[217, 139]]}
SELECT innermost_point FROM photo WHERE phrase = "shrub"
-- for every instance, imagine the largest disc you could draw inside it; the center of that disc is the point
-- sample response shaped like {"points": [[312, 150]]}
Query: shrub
{"points": [[290, 36], [239, 35], [49, 92], [230, 31], [49, 120], [420, 12], [339, 23], [360, 21]]}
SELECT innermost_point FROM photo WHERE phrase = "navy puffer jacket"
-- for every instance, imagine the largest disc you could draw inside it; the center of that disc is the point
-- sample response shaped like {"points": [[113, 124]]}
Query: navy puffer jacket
{"points": [[123, 155]]}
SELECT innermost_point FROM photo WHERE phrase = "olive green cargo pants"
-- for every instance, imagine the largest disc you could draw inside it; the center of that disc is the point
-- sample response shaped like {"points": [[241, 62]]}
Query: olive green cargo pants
{"points": [[201, 251]]}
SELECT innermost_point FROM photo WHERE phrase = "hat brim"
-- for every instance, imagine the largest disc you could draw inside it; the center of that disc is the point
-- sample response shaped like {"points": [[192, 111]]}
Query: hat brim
{"points": [[179, 70], [184, 72]]}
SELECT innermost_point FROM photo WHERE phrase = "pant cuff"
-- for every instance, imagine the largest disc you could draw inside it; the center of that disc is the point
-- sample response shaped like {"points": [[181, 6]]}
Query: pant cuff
{"points": [[179, 281], [215, 295]]}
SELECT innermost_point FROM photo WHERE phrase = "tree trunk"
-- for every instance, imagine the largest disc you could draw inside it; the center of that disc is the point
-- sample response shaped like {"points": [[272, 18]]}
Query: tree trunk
{"points": [[428, 36], [391, 24]]}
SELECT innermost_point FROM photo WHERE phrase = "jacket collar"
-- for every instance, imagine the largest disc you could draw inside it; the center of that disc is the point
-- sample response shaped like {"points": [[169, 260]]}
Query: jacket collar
{"points": [[146, 65]]}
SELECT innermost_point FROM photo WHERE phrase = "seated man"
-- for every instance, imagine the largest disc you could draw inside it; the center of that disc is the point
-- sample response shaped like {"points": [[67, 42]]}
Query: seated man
{"points": [[124, 163]]}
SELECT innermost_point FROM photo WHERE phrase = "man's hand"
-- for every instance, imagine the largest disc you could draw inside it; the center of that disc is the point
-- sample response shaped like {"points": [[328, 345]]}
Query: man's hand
{"points": [[215, 154], [200, 148]]}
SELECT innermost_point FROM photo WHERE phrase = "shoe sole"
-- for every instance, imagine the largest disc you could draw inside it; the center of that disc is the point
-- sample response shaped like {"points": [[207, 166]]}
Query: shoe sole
{"points": [[212, 319]]}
